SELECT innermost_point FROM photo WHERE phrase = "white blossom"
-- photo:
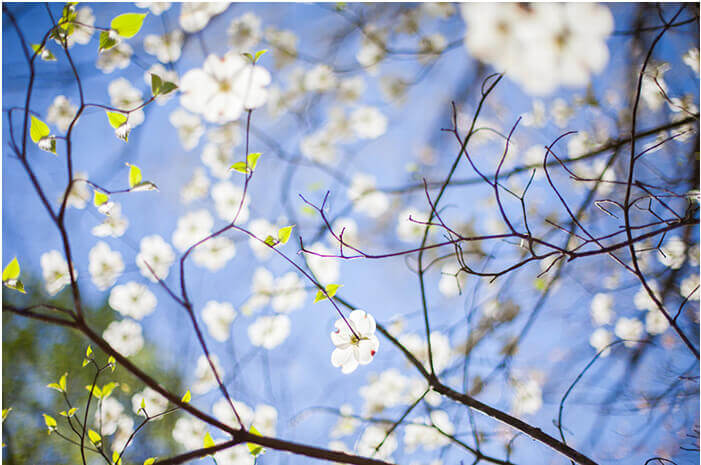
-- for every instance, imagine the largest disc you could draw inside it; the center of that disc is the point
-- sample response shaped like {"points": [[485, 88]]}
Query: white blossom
{"points": [[124, 336], [195, 16], [355, 341], [244, 33], [192, 227], [55, 271], [154, 403], [189, 127], [269, 331], [602, 309], [61, 113], [629, 329], [105, 265], [159, 256], [599, 339], [205, 379], [218, 317], [227, 200], [118, 56], [214, 253], [166, 48], [368, 122], [366, 199], [132, 299]]}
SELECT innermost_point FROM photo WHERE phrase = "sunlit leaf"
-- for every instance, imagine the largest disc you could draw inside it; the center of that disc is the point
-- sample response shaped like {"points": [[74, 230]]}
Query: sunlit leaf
{"points": [[134, 175], [128, 24], [254, 449], [283, 234], [330, 291], [38, 130], [99, 198], [187, 397], [106, 41], [208, 441], [95, 438], [116, 119], [11, 271]]}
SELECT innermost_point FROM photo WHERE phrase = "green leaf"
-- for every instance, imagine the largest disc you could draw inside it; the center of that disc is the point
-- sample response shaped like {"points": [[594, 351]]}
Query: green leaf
{"points": [[99, 198], [50, 422], [270, 240], [259, 54], [108, 388], [112, 363], [187, 397], [156, 83], [69, 413], [54, 386], [47, 144], [38, 130], [253, 160], [134, 175], [11, 271], [330, 291], [254, 449], [128, 24], [249, 56], [167, 87], [116, 119], [88, 351], [239, 166], [208, 441], [95, 438], [85, 362], [106, 42], [5, 412], [283, 234], [116, 459], [149, 461], [62, 382], [143, 403], [95, 390]]}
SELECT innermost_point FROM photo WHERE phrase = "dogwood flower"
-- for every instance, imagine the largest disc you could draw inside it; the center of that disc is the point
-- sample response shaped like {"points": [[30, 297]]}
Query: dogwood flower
{"points": [[124, 336], [269, 331], [355, 341], [55, 271], [61, 113], [166, 48], [224, 87], [189, 127], [158, 254], [105, 265], [132, 299], [218, 317]]}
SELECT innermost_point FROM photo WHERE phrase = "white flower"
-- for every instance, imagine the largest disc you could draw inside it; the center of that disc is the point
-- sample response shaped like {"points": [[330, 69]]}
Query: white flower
{"points": [[688, 285], [113, 224], [325, 269], [196, 188], [602, 309], [384, 391], [192, 227], [372, 48], [349, 228], [195, 16], [346, 424], [320, 79], [261, 228], [189, 127], [656, 322], [124, 336], [372, 437], [528, 396], [118, 56], [394, 88], [262, 286], [218, 317], [438, 10], [227, 199], [599, 339], [452, 280], [319, 146], [125, 427], [80, 194], [218, 158], [673, 253], [366, 199], [132, 299], [126, 97], [159, 256], [561, 112], [214, 253], [426, 436], [351, 89], [289, 293], [154, 7], [154, 403], [205, 378], [105, 265], [166, 48], [284, 45], [440, 349], [244, 33], [368, 122], [190, 432], [537, 116], [629, 329], [411, 230], [226, 135], [269, 331], [355, 341], [108, 415], [224, 88], [223, 412], [237, 455], [642, 298], [691, 59], [61, 113], [55, 271]]}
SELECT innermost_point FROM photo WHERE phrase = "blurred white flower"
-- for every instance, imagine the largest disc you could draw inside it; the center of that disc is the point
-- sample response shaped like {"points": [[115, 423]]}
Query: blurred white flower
{"points": [[602, 309], [629, 329], [105, 265], [195, 16], [132, 299], [166, 48], [124, 336], [269, 331], [192, 228], [154, 7], [368, 122], [673, 253], [196, 188], [126, 97], [599, 339], [158, 254], [227, 200], [218, 317], [61, 113], [205, 379], [366, 199], [154, 403], [244, 33], [189, 127], [55, 271], [214, 253], [118, 56]]}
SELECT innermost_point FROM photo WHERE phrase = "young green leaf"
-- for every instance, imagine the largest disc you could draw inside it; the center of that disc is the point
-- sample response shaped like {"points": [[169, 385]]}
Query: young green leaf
{"points": [[106, 42], [208, 441], [95, 390], [5, 412], [50, 422], [128, 24], [88, 351], [99, 198], [144, 186], [38, 130], [283, 234], [47, 144], [167, 87], [254, 449], [259, 54], [112, 363], [95, 438], [249, 56], [63, 382], [149, 461], [85, 362], [156, 83], [69, 413], [187, 397], [134, 175], [116, 119], [253, 160], [108, 388], [330, 291], [270, 240], [43, 52], [239, 166], [54, 386], [11, 271], [116, 459]]}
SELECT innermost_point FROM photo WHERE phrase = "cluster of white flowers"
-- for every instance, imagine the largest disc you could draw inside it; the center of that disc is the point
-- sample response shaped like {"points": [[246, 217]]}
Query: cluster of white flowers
{"points": [[269, 331], [542, 46]]}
